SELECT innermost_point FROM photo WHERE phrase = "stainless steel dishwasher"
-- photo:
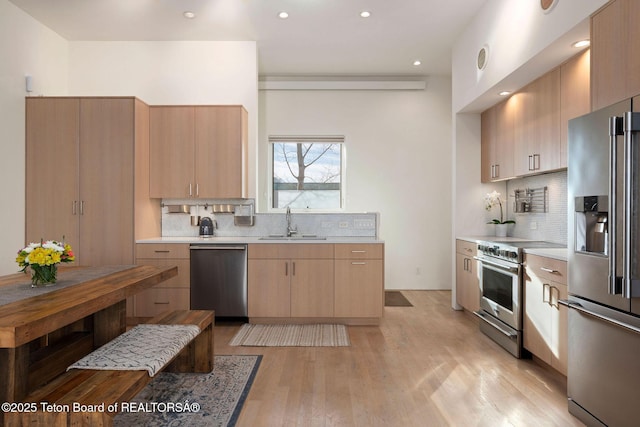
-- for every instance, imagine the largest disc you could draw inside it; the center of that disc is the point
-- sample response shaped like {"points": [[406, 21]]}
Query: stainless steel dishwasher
{"points": [[219, 279]]}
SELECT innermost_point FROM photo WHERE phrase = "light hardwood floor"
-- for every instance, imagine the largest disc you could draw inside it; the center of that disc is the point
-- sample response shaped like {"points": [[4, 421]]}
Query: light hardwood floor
{"points": [[426, 365]]}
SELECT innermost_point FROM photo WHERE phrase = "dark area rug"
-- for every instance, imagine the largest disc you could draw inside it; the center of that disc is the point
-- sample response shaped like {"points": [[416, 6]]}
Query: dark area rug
{"points": [[213, 399], [396, 299]]}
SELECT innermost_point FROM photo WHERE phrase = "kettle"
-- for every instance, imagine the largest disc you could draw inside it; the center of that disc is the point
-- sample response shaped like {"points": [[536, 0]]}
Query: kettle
{"points": [[206, 226]]}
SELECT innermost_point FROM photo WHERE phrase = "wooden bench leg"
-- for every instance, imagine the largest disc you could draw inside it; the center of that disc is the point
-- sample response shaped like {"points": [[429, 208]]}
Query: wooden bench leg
{"points": [[197, 356]]}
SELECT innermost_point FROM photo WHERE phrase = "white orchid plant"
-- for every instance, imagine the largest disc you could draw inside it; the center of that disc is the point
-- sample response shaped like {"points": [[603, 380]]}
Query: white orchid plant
{"points": [[492, 199]]}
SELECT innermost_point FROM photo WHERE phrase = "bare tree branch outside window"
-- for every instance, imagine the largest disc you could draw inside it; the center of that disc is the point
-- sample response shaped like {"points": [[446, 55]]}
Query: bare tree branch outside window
{"points": [[307, 175]]}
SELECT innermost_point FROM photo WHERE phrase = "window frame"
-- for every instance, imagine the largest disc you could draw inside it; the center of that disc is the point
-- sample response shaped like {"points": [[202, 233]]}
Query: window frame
{"points": [[324, 139]]}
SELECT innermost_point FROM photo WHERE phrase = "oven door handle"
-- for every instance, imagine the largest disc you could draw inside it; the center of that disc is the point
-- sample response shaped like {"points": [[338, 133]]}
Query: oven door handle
{"points": [[495, 264], [481, 315]]}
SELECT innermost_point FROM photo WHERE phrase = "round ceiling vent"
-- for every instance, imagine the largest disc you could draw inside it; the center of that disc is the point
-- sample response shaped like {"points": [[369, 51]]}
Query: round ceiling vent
{"points": [[483, 57], [547, 5]]}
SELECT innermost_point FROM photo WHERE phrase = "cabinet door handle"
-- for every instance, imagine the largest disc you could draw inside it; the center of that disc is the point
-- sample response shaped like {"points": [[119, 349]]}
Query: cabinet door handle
{"points": [[497, 171], [358, 252], [293, 268], [549, 270], [81, 207], [546, 286], [286, 268], [161, 302], [493, 171], [190, 192], [197, 189], [165, 251], [551, 303], [536, 165], [74, 207], [358, 263]]}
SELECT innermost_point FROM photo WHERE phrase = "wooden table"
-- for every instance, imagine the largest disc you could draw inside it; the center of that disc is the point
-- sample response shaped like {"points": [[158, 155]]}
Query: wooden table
{"points": [[42, 334]]}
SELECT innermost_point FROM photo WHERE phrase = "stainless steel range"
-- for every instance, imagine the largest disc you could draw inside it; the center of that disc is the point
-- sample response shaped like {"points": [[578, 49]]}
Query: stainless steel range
{"points": [[501, 284]]}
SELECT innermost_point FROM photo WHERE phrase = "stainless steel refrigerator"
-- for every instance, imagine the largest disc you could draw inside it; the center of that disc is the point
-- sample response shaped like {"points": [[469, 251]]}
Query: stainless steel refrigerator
{"points": [[603, 379]]}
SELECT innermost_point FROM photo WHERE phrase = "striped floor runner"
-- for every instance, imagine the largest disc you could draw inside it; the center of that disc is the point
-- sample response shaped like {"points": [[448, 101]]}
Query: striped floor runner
{"points": [[291, 336]]}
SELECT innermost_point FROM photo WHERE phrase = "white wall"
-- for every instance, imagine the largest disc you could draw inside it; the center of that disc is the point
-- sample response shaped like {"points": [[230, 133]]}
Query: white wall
{"points": [[156, 72], [398, 161], [519, 36], [174, 72], [27, 48]]}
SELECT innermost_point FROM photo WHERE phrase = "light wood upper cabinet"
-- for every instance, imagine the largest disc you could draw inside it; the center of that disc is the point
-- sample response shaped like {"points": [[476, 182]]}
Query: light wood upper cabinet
{"points": [[615, 53], [172, 148], [93, 148], [221, 151], [198, 151], [537, 125], [498, 141], [575, 99], [527, 133]]}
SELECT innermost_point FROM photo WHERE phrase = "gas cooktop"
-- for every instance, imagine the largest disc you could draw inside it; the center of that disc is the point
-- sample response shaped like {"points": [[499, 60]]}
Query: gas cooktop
{"points": [[532, 244], [510, 250]]}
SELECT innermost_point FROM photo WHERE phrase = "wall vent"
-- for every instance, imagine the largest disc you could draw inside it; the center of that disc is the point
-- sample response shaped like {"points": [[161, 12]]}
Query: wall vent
{"points": [[483, 57]]}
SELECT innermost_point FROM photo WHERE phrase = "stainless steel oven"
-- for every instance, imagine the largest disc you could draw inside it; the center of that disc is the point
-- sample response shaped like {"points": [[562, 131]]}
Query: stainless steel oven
{"points": [[500, 274], [501, 284]]}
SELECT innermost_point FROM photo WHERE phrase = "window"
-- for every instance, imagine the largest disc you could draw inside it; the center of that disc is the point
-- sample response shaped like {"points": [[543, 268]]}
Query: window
{"points": [[307, 172]]}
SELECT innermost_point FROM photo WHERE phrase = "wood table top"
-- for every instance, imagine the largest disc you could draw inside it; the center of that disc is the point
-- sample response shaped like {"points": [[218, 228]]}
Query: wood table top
{"points": [[33, 317]]}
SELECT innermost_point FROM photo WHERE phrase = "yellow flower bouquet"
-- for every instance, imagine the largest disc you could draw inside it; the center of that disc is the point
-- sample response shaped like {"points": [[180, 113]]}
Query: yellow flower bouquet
{"points": [[43, 259]]}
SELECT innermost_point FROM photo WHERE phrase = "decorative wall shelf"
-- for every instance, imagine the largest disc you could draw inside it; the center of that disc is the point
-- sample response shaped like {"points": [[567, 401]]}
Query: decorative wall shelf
{"points": [[531, 200]]}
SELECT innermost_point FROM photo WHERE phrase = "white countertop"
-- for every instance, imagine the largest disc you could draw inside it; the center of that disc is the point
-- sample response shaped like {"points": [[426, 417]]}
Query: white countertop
{"points": [[561, 254], [256, 239], [556, 253]]}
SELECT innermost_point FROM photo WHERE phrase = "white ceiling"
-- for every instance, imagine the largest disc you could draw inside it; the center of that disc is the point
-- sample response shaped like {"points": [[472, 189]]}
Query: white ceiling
{"points": [[320, 37]]}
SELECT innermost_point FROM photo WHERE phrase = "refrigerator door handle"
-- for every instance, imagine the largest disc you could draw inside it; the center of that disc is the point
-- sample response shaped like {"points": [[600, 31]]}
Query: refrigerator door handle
{"points": [[615, 130], [578, 307], [631, 127]]}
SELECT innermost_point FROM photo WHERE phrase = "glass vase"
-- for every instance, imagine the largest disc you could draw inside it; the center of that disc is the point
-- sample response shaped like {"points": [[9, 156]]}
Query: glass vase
{"points": [[43, 275]]}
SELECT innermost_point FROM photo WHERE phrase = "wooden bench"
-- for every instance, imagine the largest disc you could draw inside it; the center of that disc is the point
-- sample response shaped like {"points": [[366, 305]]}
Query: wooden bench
{"points": [[93, 397]]}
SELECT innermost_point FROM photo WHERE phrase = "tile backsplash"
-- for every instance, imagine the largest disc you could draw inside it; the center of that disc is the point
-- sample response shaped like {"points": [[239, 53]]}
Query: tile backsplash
{"points": [[551, 225], [321, 224]]}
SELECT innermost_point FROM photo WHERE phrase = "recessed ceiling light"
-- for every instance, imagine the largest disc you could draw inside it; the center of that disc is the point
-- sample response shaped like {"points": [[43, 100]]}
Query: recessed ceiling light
{"points": [[582, 43], [417, 62], [283, 15], [504, 93], [189, 15], [365, 14]]}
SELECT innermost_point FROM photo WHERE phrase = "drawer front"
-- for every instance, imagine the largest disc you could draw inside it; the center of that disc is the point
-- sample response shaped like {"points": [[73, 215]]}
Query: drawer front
{"points": [[151, 302], [291, 251], [162, 250], [182, 280], [465, 247], [546, 268], [359, 251]]}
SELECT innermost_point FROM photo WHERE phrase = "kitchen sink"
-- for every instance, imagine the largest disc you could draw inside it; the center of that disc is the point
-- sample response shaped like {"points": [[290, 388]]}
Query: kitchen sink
{"points": [[300, 237]]}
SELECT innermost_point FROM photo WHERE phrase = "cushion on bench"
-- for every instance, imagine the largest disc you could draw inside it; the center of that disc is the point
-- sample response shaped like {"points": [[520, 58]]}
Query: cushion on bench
{"points": [[144, 347]]}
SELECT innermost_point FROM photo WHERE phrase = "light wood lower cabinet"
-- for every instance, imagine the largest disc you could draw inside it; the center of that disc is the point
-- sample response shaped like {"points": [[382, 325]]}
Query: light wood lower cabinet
{"points": [[467, 283], [172, 294], [545, 320], [307, 281], [359, 280], [290, 280]]}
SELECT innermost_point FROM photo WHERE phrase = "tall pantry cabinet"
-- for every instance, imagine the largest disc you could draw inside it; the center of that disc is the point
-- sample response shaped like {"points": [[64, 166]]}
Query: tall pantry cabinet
{"points": [[87, 176]]}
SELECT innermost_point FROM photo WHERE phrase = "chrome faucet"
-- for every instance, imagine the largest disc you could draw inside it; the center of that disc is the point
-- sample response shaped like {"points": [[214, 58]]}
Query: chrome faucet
{"points": [[290, 230]]}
